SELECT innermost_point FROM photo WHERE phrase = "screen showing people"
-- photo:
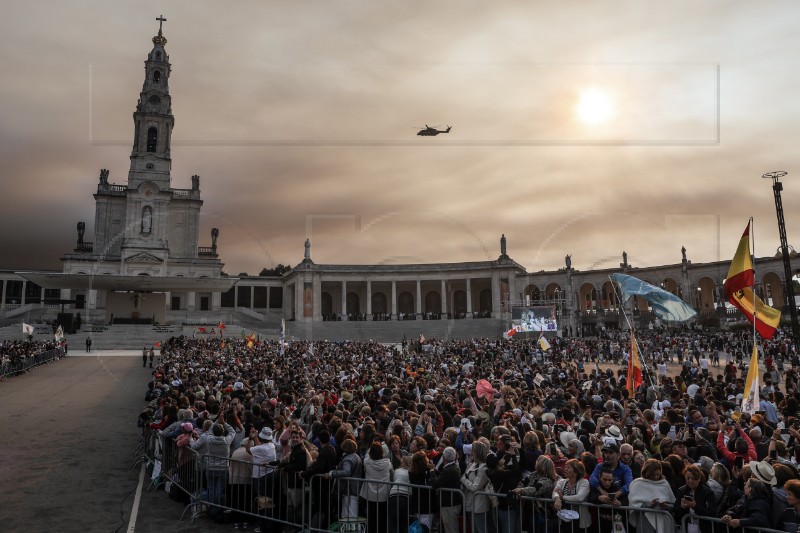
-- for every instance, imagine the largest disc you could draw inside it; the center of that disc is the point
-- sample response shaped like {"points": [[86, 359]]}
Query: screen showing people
{"points": [[540, 318]]}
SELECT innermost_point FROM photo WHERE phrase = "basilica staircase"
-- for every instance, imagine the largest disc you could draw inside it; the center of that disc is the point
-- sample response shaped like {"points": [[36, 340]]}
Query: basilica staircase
{"points": [[395, 331]]}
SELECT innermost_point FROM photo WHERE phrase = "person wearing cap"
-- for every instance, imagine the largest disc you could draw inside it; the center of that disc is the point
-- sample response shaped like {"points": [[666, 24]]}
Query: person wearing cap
{"points": [[622, 472], [261, 447]]}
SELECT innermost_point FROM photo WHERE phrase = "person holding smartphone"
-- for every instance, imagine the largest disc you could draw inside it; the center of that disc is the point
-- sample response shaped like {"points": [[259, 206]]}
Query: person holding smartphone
{"points": [[744, 446], [695, 497]]}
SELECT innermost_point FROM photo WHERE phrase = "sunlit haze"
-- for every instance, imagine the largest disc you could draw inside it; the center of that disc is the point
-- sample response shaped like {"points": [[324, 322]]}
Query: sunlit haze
{"points": [[578, 128]]}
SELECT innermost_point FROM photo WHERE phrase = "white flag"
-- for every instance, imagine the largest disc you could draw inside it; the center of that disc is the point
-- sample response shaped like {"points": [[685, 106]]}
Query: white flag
{"points": [[538, 380], [59, 334], [283, 334], [27, 329], [750, 400]]}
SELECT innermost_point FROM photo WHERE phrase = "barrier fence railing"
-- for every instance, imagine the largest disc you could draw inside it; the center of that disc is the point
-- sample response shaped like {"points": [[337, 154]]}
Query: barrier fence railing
{"points": [[710, 524], [15, 366], [273, 498], [538, 515]]}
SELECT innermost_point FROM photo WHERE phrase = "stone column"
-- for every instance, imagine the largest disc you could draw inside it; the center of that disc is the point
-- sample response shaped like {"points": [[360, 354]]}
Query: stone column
{"points": [[191, 298], [369, 300], [41, 297], [344, 300], [168, 297], [216, 301], [496, 294], [91, 299], [235, 296], [394, 300], [268, 287], [469, 298], [512, 289], [444, 299], [298, 298], [419, 298], [316, 289], [252, 297], [3, 301], [24, 289]]}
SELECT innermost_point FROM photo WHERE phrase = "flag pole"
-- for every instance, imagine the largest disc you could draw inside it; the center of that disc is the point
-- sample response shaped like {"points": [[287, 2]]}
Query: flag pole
{"points": [[630, 326]]}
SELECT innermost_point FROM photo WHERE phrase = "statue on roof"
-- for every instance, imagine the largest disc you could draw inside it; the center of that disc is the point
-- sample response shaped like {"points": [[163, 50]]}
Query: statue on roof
{"points": [[308, 250]]}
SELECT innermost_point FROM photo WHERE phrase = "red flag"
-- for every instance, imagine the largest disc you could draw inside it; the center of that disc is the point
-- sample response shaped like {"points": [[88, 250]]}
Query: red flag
{"points": [[484, 389], [634, 368], [201, 330], [158, 345], [221, 326]]}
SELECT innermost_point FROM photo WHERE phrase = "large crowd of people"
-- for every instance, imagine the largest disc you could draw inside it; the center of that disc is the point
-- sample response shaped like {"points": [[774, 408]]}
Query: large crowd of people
{"points": [[20, 356], [497, 421]]}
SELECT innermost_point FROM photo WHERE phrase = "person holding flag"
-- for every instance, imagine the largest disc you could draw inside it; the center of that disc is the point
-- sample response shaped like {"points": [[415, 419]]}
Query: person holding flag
{"points": [[634, 380]]}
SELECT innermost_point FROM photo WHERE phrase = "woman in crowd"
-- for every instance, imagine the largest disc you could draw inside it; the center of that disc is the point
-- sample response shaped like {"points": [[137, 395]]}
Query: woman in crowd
{"points": [[377, 468], [399, 497], [349, 467], [572, 490], [753, 509], [726, 494], [605, 494], [540, 485], [396, 453], [476, 479], [789, 520], [651, 491], [694, 498], [423, 502]]}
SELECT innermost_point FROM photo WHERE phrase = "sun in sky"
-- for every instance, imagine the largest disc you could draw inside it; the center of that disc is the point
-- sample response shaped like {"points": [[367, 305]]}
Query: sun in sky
{"points": [[594, 106]]}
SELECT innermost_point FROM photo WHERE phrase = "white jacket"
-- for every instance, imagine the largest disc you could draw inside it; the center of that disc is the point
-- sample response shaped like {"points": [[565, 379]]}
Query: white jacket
{"points": [[380, 470], [475, 480]]}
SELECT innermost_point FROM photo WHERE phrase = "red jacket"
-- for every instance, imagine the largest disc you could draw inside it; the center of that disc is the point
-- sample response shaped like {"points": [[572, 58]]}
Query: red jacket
{"points": [[731, 456]]}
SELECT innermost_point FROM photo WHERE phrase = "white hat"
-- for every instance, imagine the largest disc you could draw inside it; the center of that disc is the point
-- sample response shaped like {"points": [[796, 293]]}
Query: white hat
{"points": [[763, 471], [265, 434], [614, 433]]}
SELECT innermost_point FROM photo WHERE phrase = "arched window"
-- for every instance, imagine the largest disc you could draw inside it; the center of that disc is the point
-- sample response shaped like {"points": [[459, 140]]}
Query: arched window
{"points": [[152, 139], [156, 76]]}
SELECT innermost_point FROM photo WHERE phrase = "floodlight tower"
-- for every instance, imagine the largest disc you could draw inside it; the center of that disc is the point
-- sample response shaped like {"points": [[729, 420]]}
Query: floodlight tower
{"points": [[777, 187]]}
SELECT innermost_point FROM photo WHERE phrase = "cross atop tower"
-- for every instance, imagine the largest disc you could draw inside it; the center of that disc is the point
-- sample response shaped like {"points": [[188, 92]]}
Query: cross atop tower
{"points": [[161, 20]]}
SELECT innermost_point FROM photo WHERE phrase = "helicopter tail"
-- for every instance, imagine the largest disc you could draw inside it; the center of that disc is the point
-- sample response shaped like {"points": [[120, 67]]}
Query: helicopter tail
{"points": [[448, 129]]}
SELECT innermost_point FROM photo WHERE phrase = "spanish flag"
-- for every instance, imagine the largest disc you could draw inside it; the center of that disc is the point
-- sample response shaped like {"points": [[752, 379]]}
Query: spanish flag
{"points": [[739, 290], [634, 369]]}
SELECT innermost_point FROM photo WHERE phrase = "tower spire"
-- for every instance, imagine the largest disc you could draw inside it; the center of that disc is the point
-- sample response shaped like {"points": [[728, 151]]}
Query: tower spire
{"points": [[160, 39]]}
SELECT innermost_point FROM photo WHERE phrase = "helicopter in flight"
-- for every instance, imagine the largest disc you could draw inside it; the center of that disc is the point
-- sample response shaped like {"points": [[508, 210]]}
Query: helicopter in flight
{"points": [[430, 132]]}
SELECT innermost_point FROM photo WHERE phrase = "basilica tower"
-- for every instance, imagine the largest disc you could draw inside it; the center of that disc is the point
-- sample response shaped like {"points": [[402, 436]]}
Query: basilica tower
{"points": [[153, 121]]}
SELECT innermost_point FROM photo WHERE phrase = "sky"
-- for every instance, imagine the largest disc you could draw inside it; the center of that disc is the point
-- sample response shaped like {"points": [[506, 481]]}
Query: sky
{"points": [[580, 128]]}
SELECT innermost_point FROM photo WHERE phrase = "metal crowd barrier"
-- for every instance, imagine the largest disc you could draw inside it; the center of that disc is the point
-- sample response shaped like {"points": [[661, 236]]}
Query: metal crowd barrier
{"points": [[710, 524], [537, 515], [23, 364]]}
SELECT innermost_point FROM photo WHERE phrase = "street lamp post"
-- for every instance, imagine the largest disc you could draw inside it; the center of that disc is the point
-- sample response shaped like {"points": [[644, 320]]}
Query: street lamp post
{"points": [[777, 187]]}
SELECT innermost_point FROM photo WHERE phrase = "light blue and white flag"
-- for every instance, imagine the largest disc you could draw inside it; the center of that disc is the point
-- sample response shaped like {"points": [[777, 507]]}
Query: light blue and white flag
{"points": [[665, 305]]}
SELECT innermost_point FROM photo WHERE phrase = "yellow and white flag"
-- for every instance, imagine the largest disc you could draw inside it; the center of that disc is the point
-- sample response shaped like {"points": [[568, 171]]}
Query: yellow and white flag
{"points": [[543, 344], [750, 400]]}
